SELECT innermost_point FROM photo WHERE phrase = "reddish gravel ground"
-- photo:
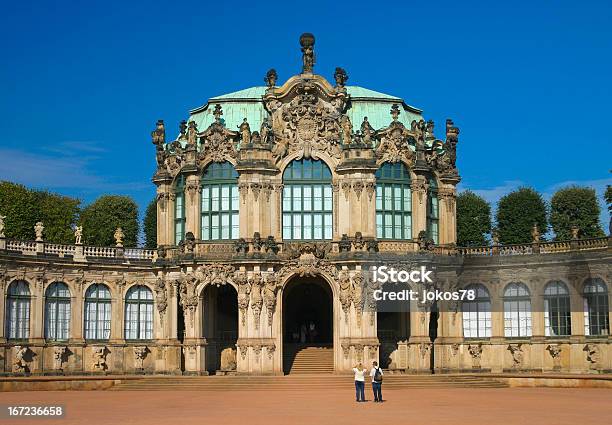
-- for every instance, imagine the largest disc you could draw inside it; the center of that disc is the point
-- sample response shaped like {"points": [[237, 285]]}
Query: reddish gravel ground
{"points": [[406, 406]]}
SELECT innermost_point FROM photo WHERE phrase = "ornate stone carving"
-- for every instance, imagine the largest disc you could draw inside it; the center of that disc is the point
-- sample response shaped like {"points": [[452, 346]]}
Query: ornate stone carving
{"points": [[347, 130], [241, 246], [394, 140], [39, 228], [341, 77], [425, 242], [475, 351], [243, 348], [307, 42], [2, 225], [424, 349], [256, 297], [217, 143], [454, 349], [346, 349], [555, 352], [270, 245], [245, 132], [98, 356], [256, 349], [192, 135], [419, 186], [368, 133], [244, 292], [60, 354], [517, 355], [344, 245], [257, 242], [346, 188], [119, 235], [215, 274], [358, 188], [269, 295], [535, 233], [188, 298], [370, 189], [21, 364], [161, 298], [270, 349], [270, 79], [192, 187], [255, 188], [243, 188], [593, 355], [346, 292], [140, 353], [228, 359]]}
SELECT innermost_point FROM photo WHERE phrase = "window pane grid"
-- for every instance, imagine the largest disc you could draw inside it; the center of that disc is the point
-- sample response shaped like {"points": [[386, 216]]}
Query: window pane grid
{"points": [[307, 201], [18, 311], [393, 202], [220, 202], [139, 313]]}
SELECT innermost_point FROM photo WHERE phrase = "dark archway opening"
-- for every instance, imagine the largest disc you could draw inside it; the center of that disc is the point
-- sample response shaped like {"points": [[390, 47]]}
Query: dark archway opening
{"points": [[307, 324], [220, 327], [392, 326]]}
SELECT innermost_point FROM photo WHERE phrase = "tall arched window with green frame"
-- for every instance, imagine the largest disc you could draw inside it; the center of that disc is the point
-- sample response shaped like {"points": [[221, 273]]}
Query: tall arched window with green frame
{"points": [[179, 209], [307, 201], [393, 202], [220, 202], [433, 211]]}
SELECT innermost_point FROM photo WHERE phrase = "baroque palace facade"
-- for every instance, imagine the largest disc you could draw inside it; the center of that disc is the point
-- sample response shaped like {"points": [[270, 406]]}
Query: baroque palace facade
{"points": [[273, 204]]}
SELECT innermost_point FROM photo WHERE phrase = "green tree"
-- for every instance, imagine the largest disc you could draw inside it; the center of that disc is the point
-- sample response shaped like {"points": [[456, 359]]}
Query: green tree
{"points": [[23, 207], [17, 204], [516, 214], [101, 218], [59, 214], [473, 219], [575, 206], [150, 225]]}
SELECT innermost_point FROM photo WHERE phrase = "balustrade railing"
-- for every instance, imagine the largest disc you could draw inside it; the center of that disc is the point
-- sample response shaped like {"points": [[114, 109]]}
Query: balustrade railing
{"points": [[223, 249]]}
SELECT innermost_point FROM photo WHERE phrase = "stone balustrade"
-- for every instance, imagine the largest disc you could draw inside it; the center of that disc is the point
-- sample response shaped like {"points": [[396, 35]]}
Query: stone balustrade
{"points": [[213, 250]]}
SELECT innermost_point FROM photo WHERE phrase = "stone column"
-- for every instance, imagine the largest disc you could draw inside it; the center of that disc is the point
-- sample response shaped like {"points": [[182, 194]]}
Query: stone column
{"points": [[37, 307], [245, 208], [165, 213], [3, 286], [193, 205], [418, 188], [447, 210]]}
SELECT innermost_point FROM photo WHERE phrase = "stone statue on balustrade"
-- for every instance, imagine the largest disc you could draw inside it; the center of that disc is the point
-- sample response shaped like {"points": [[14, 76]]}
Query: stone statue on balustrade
{"points": [[78, 235], [119, 235], [39, 228]]}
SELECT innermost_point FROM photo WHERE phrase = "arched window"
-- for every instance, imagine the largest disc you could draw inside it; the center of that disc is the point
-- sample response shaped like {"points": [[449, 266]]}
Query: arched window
{"points": [[179, 209], [596, 319], [97, 312], [393, 202], [57, 312], [220, 202], [18, 310], [557, 316], [139, 313], [477, 313], [517, 311], [307, 201], [433, 217]]}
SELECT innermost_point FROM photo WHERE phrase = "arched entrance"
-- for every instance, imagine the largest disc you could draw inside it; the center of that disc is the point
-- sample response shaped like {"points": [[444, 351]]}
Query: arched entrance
{"points": [[220, 327], [392, 327], [308, 328]]}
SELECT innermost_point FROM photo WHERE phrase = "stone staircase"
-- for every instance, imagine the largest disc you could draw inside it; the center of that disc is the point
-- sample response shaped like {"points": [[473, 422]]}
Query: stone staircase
{"points": [[299, 382], [308, 360]]}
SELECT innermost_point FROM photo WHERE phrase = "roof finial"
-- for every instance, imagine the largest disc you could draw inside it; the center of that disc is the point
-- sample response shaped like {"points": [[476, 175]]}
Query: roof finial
{"points": [[307, 42], [217, 112]]}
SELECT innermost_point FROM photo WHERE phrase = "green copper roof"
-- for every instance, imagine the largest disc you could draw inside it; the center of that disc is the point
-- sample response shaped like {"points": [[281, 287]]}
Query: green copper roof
{"points": [[248, 104]]}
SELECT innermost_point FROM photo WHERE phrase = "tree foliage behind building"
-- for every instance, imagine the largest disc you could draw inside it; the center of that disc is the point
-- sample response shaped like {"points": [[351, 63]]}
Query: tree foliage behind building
{"points": [[24, 207], [101, 218], [516, 214], [473, 219], [575, 206], [150, 225]]}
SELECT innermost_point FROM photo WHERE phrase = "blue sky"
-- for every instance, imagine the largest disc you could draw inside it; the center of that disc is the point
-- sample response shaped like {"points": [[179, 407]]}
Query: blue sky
{"points": [[82, 83]]}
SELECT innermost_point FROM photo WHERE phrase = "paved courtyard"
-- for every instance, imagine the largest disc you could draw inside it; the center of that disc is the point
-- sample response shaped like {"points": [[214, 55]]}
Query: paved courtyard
{"points": [[410, 406]]}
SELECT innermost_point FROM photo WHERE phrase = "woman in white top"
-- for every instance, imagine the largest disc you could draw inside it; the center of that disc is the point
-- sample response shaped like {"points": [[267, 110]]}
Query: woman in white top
{"points": [[360, 373]]}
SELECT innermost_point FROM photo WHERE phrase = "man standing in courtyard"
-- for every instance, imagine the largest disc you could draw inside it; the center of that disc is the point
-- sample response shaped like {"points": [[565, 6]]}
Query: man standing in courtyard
{"points": [[377, 376]]}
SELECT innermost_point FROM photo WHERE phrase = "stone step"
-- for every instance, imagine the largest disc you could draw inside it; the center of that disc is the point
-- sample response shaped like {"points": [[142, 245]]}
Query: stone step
{"points": [[299, 382]]}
